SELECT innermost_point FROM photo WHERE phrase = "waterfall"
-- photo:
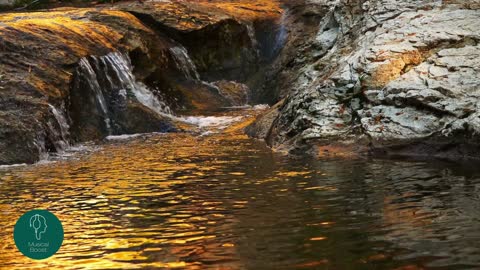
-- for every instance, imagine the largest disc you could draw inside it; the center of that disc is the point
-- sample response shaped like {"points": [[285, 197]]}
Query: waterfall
{"points": [[184, 63], [282, 33], [39, 142], [92, 80], [62, 142], [253, 39], [110, 79], [123, 70]]}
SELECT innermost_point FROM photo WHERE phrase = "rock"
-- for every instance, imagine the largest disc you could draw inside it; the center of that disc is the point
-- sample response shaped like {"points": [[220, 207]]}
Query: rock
{"points": [[199, 96], [140, 119], [225, 41], [47, 102], [6, 4], [219, 36], [294, 37], [399, 77], [261, 128], [39, 52], [22, 141], [235, 93]]}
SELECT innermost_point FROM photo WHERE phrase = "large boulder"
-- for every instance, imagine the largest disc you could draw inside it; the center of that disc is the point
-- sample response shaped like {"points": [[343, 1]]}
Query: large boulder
{"points": [[388, 77], [47, 104], [225, 40], [75, 74]]}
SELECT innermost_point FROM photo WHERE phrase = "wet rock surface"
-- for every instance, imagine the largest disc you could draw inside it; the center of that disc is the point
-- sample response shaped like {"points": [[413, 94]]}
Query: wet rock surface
{"points": [[288, 46], [49, 99], [226, 40], [389, 78], [39, 52]]}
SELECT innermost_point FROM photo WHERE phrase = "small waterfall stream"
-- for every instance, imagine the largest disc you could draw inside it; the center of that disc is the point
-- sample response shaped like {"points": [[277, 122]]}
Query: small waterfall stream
{"points": [[123, 69], [282, 33], [87, 70], [184, 63], [63, 136], [253, 38], [110, 80]]}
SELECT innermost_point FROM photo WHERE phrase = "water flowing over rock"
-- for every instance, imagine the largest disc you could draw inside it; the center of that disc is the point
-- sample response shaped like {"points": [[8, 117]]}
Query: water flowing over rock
{"points": [[39, 54], [122, 66], [63, 141], [105, 96], [184, 63], [88, 76], [281, 35], [63, 57], [387, 77]]}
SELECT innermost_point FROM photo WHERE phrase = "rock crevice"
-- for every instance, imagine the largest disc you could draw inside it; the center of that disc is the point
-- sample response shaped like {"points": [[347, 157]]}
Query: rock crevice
{"points": [[396, 75], [78, 74]]}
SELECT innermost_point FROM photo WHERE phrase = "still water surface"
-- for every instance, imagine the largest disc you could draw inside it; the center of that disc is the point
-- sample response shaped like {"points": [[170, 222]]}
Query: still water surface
{"points": [[224, 201]]}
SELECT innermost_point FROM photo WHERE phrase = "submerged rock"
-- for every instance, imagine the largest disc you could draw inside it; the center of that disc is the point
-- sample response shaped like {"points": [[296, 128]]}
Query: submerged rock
{"points": [[388, 77]]}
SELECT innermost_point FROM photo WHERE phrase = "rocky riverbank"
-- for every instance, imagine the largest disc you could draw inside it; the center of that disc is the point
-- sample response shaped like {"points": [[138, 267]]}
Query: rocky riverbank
{"points": [[379, 77], [78, 74], [385, 78]]}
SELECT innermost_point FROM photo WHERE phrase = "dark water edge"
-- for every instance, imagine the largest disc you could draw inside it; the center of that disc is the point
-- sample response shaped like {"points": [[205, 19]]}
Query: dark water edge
{"points": [[225, 201]]}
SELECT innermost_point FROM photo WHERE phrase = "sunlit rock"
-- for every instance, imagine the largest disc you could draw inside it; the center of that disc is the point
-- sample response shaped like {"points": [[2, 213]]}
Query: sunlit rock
{"points": [[401, 77], [176, 57]]}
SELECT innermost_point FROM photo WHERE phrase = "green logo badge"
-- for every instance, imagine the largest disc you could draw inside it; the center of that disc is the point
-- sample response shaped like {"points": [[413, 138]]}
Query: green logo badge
{"points": [[38, 234]]}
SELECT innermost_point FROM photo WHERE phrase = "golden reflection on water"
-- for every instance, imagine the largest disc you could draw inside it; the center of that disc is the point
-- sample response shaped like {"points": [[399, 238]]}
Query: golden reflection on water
{"points": [[135, 204], [225, 201]]}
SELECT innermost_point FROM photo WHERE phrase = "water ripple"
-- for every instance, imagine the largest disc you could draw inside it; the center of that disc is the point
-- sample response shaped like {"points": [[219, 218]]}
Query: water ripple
{"points": [[227, 202]]}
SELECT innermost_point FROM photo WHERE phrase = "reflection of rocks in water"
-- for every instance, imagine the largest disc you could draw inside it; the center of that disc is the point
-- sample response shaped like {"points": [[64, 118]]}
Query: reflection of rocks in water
{"points": [[224, 200]]}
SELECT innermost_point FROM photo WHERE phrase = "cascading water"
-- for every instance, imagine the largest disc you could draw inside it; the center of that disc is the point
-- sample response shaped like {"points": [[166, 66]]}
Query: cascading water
{"points": [[282, 33], [106, 99], [184, 63], [61, 143], [122, 68], [253, 39], [87, 70], [112, 81]]}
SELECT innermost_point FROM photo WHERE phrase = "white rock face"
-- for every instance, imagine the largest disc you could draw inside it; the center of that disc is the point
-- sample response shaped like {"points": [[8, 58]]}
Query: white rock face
{"points": [[391, 74]]}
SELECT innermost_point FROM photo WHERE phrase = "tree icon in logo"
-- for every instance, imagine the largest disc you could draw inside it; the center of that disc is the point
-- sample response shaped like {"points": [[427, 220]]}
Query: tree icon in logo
{"points": [[39, 224]]}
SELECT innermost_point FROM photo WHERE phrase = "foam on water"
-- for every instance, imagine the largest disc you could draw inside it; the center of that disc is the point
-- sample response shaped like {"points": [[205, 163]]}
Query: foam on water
{"points": [[212, 121], [4, 167], [130, 136]]}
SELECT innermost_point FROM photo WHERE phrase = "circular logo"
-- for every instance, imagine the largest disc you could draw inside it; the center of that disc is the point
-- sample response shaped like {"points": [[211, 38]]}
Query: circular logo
{"points": [[38, 234]]}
